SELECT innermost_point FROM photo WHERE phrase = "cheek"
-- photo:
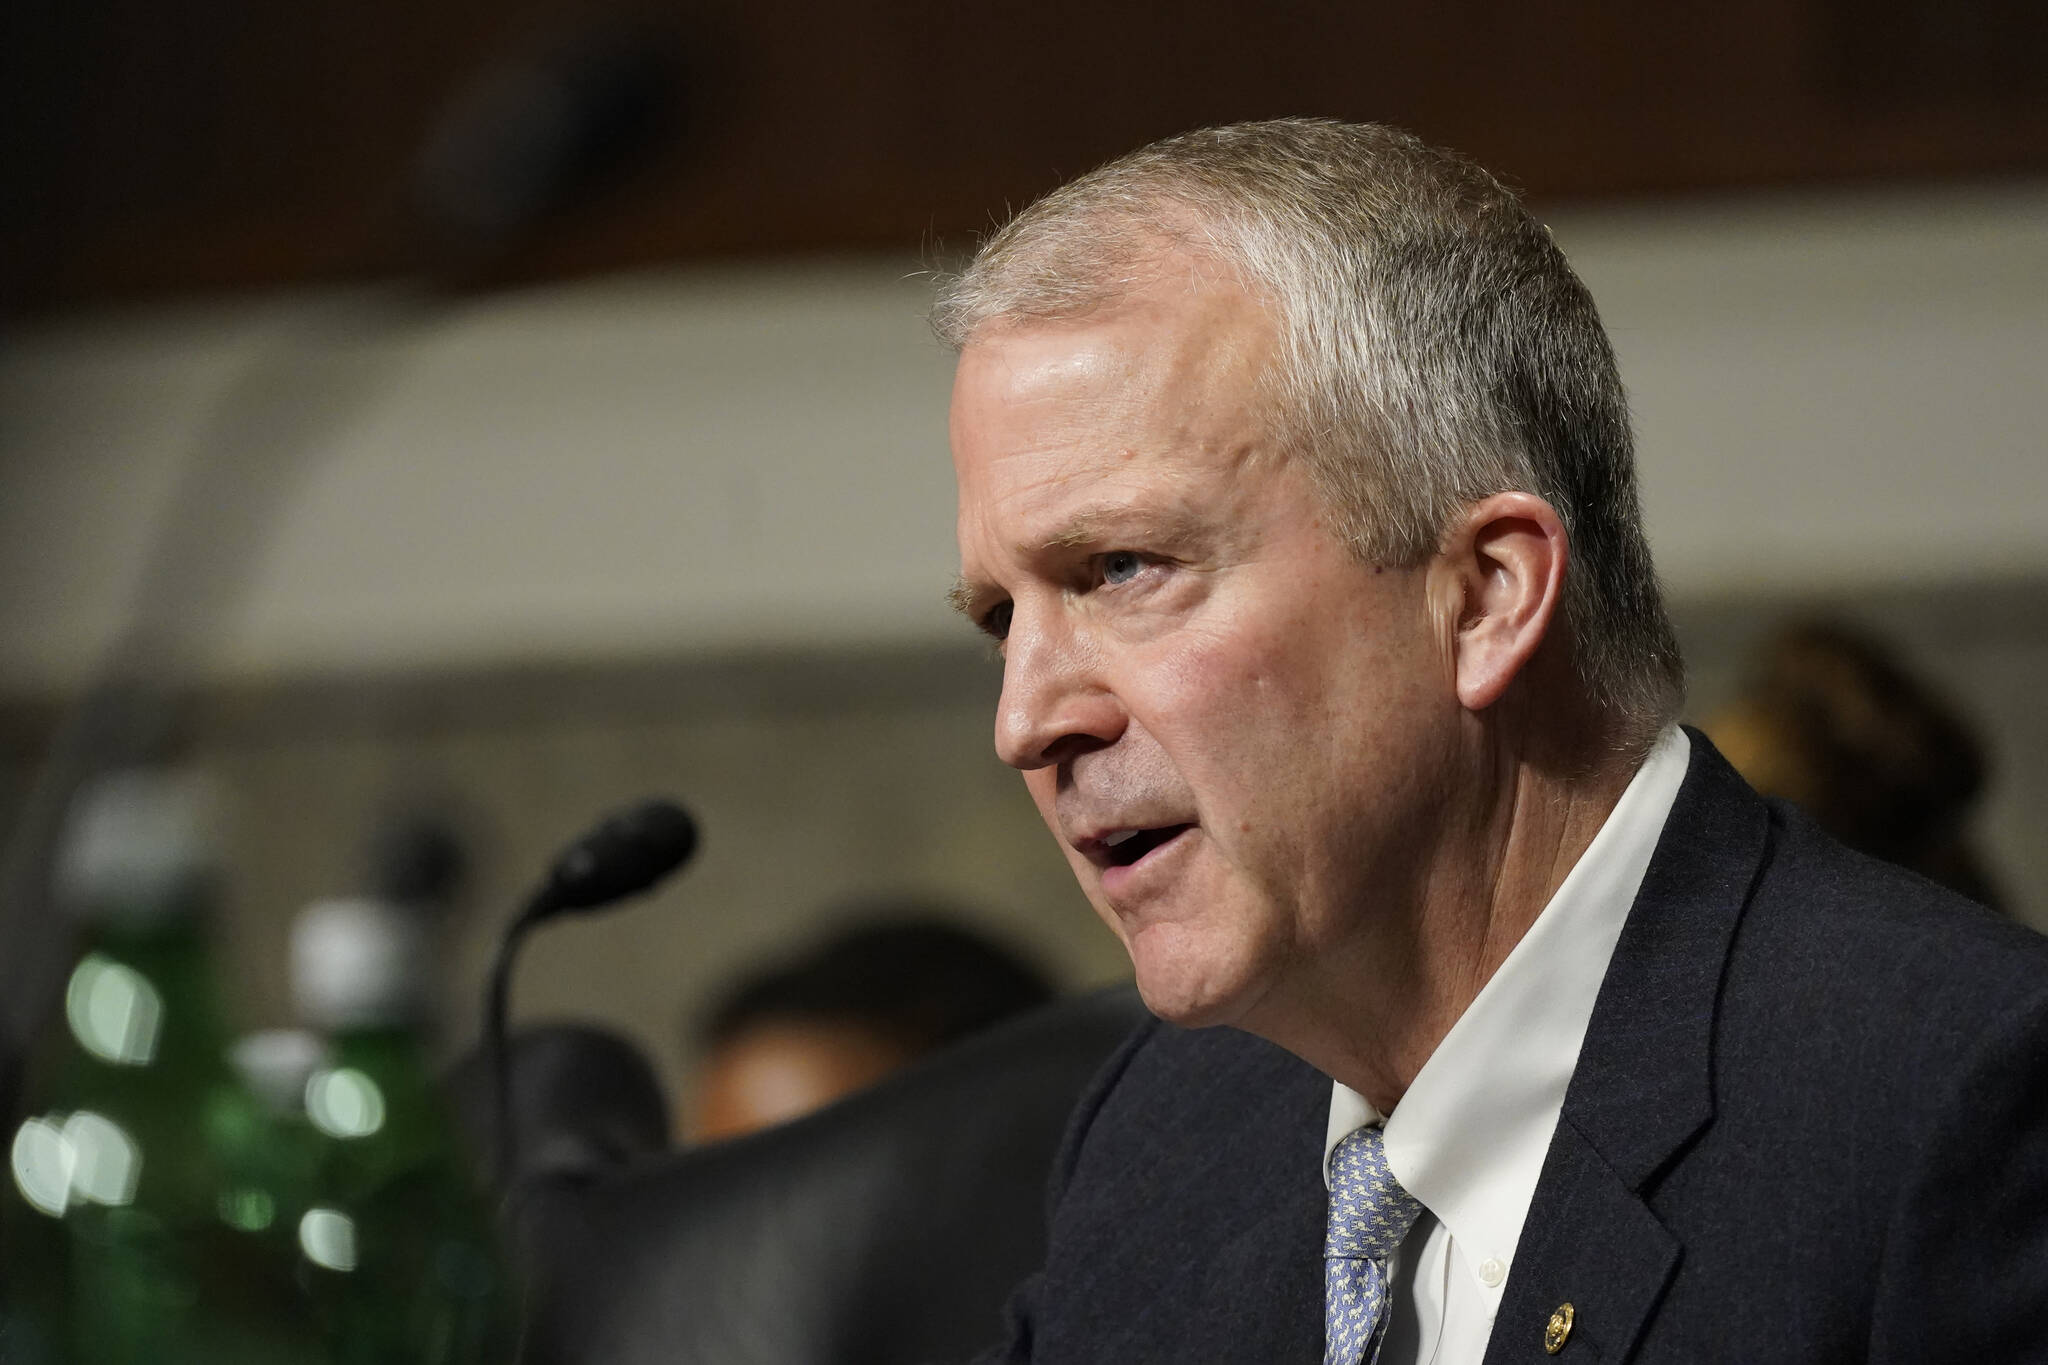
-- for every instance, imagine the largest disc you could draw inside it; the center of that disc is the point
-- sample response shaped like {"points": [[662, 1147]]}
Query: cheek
{"points": [[1233, 697], [1279, 725]]}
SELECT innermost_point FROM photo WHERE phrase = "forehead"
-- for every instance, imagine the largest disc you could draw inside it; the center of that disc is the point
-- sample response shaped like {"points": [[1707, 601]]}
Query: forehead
{"points": [[1172, 380], [1182, 327]]}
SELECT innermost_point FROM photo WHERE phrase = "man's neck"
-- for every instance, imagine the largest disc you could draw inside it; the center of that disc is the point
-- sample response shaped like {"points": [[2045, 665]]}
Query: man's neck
{"points": [[1374, 1010]]}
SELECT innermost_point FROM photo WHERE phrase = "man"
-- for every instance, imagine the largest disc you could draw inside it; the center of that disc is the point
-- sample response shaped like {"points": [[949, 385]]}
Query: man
{"points": [[1296, 483]]}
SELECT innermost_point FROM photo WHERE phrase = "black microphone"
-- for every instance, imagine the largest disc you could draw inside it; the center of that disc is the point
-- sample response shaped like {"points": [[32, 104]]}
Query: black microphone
{"points": [[629, 852]]}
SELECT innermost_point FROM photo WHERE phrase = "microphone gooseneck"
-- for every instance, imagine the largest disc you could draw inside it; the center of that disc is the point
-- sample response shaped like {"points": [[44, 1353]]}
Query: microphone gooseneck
{"points": [[630, 852]]}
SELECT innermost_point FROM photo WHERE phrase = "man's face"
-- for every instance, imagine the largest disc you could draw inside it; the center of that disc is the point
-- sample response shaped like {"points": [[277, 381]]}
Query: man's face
{"points": [[1234, 728]]}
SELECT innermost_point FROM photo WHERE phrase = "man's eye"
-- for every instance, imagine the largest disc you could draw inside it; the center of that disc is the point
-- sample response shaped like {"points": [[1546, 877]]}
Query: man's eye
{"points": [[1120, 566], [997, 621]]}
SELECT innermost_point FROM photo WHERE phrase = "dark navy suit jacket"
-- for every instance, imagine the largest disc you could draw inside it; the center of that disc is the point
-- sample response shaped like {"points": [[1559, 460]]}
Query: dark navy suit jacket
{"points": [[1809, 1124]]}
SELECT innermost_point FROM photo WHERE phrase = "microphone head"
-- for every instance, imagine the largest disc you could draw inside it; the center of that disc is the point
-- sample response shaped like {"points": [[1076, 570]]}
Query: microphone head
{"points": [[628, 853]]}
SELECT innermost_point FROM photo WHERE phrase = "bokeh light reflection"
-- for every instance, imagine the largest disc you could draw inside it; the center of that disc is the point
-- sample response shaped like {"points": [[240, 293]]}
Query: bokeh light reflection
{"points": [[107, 1165], [114, 1012], [328, 1237], [344, 1103], [42, 1160]]}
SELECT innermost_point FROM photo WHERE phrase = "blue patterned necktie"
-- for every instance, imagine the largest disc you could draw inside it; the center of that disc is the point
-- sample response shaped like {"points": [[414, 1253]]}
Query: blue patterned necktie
{"points": [[1370, 1214]]}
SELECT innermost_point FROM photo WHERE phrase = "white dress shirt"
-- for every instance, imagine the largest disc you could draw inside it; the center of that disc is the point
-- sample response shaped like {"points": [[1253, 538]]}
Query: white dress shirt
{"points": [[1469, 1137]]}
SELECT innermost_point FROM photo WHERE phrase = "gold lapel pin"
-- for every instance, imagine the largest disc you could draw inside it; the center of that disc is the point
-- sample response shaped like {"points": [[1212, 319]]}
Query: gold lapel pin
{"points": [[1559, 1329]]}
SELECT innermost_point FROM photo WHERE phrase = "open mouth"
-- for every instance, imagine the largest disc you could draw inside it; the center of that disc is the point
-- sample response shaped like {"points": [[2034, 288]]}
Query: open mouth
{"points": [[1128, 846]]}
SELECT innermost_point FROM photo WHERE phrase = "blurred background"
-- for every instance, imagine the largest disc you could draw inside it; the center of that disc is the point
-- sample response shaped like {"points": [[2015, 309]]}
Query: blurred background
{"points": [[507, 410]]}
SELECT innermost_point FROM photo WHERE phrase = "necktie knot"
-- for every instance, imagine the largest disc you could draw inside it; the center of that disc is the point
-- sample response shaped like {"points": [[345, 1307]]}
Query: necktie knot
{"points": [[1370, 1214]]}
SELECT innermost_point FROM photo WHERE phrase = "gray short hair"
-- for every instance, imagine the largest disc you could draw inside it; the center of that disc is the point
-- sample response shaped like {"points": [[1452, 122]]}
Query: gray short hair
{"points": [[1436, 349]]}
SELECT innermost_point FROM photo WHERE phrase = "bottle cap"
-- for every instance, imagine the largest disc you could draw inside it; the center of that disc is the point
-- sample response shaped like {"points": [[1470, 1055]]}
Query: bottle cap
{"points": [[135, 841], [276, 1063], [359, 963]]}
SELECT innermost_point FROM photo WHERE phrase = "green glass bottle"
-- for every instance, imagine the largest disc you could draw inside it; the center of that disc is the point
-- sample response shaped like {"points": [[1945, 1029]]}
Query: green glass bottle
{"points": [[270, 1156], [400, 1251], [117, 1250]]}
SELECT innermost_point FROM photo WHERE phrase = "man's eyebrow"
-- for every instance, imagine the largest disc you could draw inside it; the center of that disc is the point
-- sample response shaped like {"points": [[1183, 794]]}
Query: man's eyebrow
{"points": [[1162, 527], [964, 597]]}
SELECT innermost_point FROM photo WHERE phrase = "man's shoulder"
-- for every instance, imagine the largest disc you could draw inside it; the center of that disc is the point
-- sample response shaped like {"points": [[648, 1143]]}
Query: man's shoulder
{"points": [[1795, 1036], [1806, 936], [1787, 990], [1874, 994], [1852, 931]]}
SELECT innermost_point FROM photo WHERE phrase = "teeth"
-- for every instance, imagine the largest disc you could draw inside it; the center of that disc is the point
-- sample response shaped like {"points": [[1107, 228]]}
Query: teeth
{"points": [[1113, 840]]}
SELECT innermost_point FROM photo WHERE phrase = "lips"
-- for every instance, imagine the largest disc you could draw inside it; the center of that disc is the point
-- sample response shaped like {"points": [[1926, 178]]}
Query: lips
{"points": [[1127, 846]]}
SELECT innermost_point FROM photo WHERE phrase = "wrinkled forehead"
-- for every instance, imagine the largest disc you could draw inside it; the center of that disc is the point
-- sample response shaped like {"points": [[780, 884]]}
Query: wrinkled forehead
{"points": [[1182, 357]]}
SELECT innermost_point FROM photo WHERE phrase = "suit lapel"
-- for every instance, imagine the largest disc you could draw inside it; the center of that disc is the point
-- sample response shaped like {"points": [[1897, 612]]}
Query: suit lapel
{"points": [[1642, 1087], [1592, 1243]]}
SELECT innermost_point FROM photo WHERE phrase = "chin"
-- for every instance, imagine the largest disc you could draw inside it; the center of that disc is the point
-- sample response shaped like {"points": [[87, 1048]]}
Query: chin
{"points": [[1189, 983]]}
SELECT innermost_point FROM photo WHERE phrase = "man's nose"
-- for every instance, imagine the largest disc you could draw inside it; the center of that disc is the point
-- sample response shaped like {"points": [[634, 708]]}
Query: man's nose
{"points": [[1055, 702]]}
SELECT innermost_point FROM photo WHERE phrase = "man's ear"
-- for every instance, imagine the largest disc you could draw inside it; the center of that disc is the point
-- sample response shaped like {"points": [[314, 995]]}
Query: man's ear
{"points": [[1497, 582]]}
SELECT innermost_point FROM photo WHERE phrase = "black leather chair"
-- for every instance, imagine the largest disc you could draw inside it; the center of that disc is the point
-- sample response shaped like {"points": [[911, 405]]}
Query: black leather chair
{"points": [[885, 1230]]}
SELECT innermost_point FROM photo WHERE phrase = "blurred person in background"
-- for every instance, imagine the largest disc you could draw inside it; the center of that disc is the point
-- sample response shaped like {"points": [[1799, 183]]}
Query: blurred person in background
{"points": [[898, 982], [585, 1102], [1831, 719], [585, 1105]]}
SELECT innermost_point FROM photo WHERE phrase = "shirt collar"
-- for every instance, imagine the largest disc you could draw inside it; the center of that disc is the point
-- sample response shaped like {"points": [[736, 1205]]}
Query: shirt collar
{"points": [[1469, 1138]]}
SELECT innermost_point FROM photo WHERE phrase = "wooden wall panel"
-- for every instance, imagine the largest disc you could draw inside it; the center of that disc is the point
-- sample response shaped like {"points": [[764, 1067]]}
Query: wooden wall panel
{"points": [[208, 144]]}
